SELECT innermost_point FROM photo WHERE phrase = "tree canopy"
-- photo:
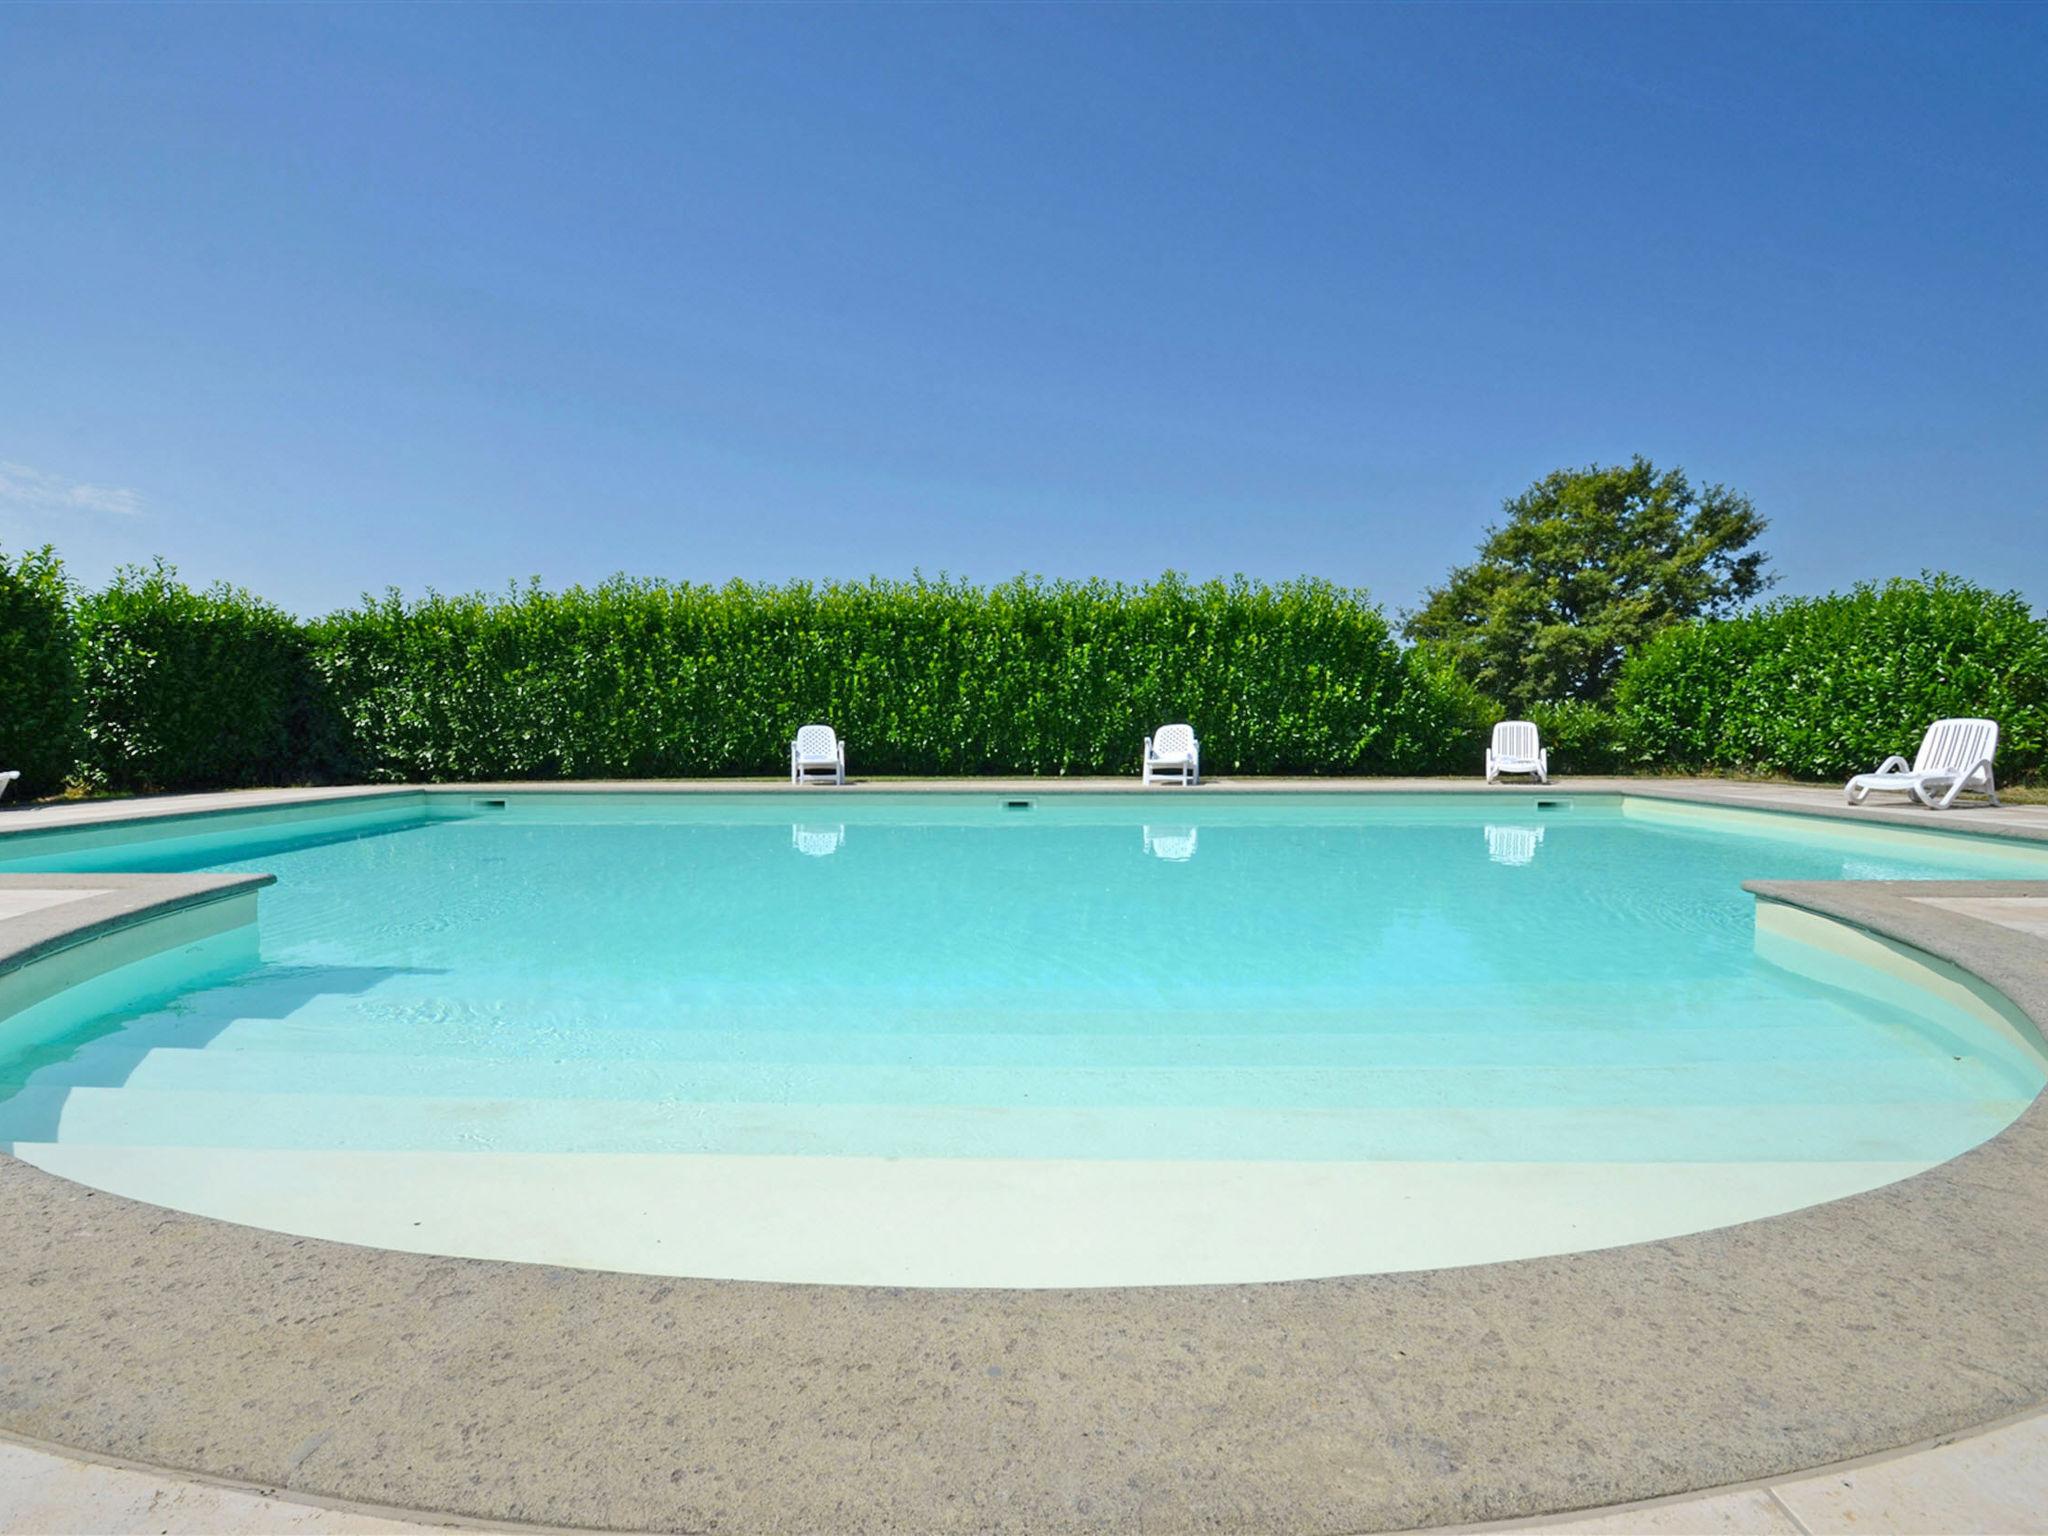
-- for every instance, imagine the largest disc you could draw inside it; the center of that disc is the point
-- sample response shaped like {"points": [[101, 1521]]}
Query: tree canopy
{"points": [[1588, 564]]}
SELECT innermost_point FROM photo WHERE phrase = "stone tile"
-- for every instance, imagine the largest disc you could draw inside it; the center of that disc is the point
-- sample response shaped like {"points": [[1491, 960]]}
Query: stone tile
{"points": [[56, 1496], [1994, 1484], [1750, 1513], [17, 901], [2028, 914]]}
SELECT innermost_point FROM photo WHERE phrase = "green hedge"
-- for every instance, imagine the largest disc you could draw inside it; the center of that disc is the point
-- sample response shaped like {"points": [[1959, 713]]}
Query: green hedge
{"points": [[39, 708], [630, 679], [192, 690], [1819, 688], [642, 678], [152, 685], [1582, 737], [1442, 721]]}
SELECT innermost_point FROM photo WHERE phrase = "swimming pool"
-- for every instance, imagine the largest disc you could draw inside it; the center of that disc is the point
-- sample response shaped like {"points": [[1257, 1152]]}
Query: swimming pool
{"points": [[977, 1039]]}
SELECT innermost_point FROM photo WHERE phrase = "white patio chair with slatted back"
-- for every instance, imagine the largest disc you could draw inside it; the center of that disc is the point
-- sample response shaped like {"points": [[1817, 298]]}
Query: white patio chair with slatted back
{"points": [[1172, 756], [1517, 749], [817, 756], [1955, 758]]}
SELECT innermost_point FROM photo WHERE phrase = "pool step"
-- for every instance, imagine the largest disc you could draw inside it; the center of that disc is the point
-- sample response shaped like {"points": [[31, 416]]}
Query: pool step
{"points": [[956, 1222], [1845, 1131], [1802, 1031], [1406, 1085], [371, 1000], [1678, 1025]]}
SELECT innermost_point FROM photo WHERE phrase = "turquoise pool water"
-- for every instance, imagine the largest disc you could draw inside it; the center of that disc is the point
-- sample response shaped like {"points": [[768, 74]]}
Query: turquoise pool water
{"points": [[1290, 978]]}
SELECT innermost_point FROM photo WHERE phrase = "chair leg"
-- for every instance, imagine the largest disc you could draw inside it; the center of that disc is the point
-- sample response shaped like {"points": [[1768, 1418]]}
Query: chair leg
{"points": [[1955, 790]]}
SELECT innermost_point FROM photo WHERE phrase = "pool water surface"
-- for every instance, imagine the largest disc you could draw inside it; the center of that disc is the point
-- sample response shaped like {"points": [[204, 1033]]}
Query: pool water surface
{"points": [[955, 1039]]}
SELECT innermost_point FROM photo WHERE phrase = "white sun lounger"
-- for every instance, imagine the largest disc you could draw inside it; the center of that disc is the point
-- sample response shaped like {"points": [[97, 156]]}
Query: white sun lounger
{"points": [[817, 756], [1955, 756], [1516, 749], [1172, 756], [7, 779]]}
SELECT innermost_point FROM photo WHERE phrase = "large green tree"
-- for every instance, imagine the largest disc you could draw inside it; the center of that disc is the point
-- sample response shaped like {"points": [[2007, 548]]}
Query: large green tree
{"points": [[1588, 564]]}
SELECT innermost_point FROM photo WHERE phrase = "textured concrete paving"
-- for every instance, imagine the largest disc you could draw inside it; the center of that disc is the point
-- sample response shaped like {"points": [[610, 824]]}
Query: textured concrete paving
{"points": [[1368, 1403]]}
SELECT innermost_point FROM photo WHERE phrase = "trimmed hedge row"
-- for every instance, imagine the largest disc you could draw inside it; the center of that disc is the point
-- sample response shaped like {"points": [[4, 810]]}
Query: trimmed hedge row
{"points": [[1823, 687], [191, 690], [640, 678], [636, 679], [151, 685]]}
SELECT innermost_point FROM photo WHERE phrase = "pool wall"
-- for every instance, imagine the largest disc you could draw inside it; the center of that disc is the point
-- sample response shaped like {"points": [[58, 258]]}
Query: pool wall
{"points": [[77, 945], [27, 848], [1845, 955]]}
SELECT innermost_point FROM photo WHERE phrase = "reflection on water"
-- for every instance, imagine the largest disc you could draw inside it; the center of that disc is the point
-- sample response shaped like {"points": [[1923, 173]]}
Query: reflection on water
{"points": [[1176, 844], [1513, 845], [817, 842]]}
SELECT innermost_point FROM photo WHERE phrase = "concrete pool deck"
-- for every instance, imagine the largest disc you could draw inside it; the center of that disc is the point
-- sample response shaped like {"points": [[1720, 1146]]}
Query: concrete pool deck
{"points": [[1993, 1483], [508, 1392]]}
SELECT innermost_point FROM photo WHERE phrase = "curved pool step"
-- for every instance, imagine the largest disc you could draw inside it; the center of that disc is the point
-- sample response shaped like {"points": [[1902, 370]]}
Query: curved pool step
{"points": [[1818, 1034], [955, 1222], [1815, 1131], [1764, 1083]]}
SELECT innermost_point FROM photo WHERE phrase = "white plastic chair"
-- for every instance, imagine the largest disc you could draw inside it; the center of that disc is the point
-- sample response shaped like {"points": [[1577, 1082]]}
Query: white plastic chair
{"points": [[817, 756], [1513, 846], [1172, 756], [1517, 749], [816, 842], [1955, 755], [1174, 844], [7, 779]]}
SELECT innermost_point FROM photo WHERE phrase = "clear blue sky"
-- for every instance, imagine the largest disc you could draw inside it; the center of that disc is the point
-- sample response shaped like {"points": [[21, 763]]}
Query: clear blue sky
{"points": [[319, 301]]}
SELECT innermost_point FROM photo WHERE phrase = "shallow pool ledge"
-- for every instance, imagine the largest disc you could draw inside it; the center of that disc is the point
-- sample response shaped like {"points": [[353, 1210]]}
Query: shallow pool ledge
{"points": [[1985, 939], [73, 945]]}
